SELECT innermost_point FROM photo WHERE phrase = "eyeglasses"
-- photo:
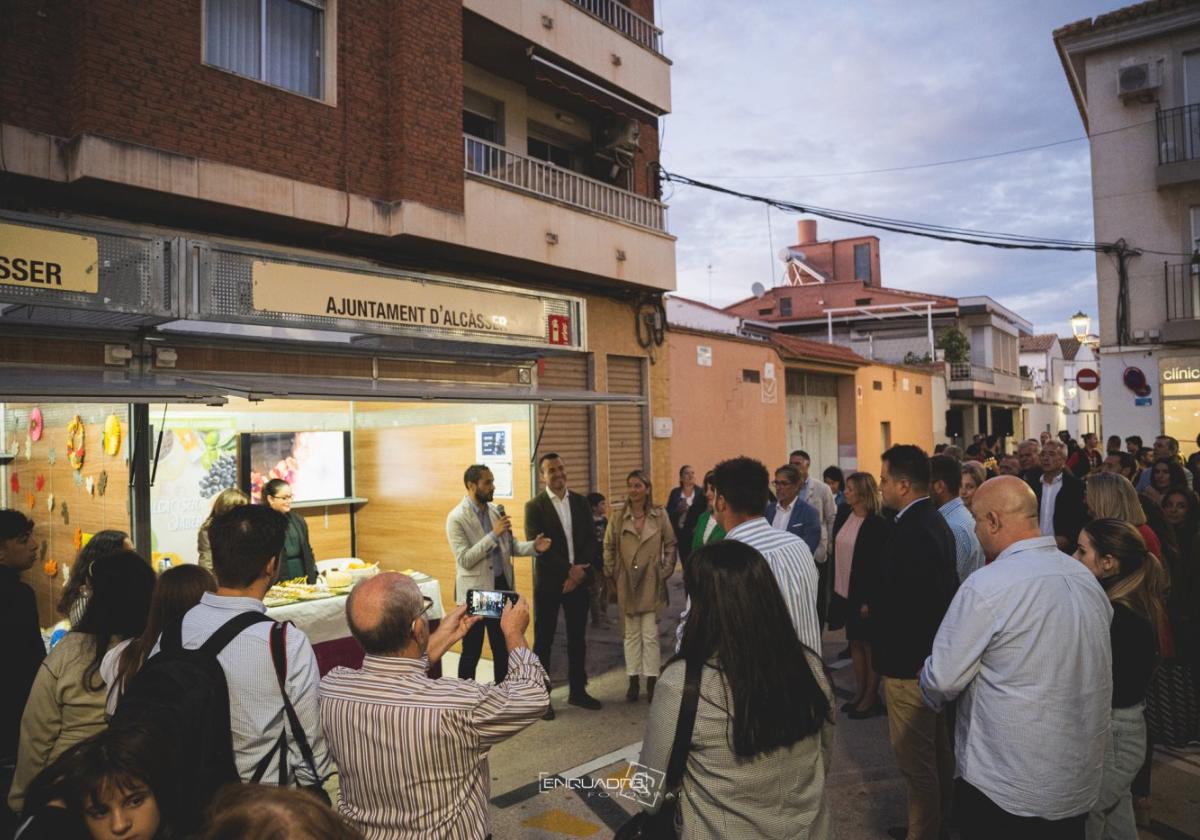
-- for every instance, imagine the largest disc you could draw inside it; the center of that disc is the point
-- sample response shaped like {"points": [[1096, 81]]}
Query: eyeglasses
{"points": [[782, 483], [287, 498]]}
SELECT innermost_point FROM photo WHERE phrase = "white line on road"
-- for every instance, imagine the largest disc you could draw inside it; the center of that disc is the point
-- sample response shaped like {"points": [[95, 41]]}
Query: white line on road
{"points": [[629, 754]]}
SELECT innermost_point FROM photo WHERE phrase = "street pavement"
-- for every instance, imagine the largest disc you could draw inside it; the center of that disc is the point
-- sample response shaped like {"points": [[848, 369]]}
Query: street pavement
{"points": [[594, 748]]}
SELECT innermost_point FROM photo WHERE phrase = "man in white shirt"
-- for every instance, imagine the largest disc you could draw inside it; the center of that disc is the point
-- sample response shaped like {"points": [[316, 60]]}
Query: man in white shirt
{"points": [[1061, 511], [246, 543], [791, 513], [1025, 648]]}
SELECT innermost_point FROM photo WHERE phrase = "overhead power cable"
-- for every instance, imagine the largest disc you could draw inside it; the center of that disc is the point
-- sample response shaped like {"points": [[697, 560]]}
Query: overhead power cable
{"points": [[943, 233]]}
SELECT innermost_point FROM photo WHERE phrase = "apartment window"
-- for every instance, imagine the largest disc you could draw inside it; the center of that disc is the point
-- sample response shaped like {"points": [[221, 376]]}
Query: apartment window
{"points": [[876, 385], [483, 117], [785, 306], [280, 42], [751, 376], [862, 262]]}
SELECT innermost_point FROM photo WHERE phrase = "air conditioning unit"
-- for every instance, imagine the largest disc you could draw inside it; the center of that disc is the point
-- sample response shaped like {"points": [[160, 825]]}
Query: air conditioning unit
{"points": [[1139, 81]]}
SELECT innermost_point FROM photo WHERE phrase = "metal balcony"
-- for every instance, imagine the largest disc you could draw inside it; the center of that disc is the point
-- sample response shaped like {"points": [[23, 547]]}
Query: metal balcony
{"points": [[1182, 286], [1179, 134], [490, 162], [623, 19], [967, 372]]}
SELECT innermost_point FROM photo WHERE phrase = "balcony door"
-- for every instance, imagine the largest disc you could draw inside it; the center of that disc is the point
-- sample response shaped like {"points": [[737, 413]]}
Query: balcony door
{"points": [[1191, 97]]}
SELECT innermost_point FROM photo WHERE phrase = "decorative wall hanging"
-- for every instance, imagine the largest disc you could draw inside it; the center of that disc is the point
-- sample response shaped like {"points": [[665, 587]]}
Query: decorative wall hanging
{"points": [[52, 456], [28, 448], [90, 485], [45, 550], [77, 477], [102, 484], [50, 503], [66, 513], [39, 482], [112, 434], [77, 539], [51, 568], [36, 424], [30, 500], [75, 441], [14, 482]]}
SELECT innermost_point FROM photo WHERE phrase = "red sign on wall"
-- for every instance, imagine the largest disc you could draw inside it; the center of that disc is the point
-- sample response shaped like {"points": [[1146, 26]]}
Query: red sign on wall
{"points": [[1087, 379], [560, 329]]}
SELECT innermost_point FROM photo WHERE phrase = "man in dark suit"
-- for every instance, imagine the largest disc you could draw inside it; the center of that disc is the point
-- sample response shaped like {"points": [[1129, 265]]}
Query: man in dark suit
{"points": [[802, 518], [1061, 510], [562, 573], [917, 580]]}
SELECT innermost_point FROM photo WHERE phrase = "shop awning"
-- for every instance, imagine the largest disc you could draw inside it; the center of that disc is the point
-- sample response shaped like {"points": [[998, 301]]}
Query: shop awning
{"points": [[27, 384], [256, 387]]}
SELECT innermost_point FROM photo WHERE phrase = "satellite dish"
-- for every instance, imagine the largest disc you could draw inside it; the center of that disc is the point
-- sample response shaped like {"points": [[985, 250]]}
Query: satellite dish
{"points": [[758, 289]]}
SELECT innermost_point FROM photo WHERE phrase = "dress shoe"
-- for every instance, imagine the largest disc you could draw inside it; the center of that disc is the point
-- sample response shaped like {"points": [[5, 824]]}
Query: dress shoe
{"points": [[650, 681], [631, 695], [549, 713], [584, 701]]}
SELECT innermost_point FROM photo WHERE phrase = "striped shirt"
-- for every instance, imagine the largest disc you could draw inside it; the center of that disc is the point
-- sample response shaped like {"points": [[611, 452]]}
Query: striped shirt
{"points": [[1025, 648], [412, 751], [968, 553], [795, 572]]}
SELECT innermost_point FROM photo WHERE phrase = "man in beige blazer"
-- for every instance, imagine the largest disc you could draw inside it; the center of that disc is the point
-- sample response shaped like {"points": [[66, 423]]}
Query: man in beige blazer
{"points": [[482, 540]]}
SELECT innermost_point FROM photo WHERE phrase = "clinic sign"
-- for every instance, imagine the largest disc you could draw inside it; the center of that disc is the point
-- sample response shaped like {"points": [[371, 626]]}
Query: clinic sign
{"points": [[48, 261], [395, 301], [1182, 371]]}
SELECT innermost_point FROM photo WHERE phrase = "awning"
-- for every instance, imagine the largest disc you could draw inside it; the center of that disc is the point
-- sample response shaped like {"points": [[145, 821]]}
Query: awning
{"points": [[555, 74], [26, 384]]}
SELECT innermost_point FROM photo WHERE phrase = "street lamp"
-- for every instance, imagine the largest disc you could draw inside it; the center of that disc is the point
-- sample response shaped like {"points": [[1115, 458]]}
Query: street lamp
{"points": [[1081, 325]]}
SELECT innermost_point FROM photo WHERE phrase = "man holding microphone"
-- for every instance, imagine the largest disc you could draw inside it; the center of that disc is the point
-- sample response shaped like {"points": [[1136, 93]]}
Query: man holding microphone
{"points": [[482, 540]]}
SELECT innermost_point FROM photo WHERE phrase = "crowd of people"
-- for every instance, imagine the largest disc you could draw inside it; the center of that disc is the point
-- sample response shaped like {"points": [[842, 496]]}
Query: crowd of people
{"points": [[175, 707]]}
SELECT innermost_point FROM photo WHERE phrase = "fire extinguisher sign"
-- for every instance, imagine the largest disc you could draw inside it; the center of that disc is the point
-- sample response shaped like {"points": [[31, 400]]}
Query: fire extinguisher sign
{"points": [[560, 329]]}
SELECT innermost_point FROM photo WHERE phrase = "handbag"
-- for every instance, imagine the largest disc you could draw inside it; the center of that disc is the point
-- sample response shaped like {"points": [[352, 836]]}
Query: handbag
{"points": [[661, 825]]}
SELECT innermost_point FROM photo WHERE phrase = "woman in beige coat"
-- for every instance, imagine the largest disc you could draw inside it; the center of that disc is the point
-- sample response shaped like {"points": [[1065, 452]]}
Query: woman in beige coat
{"points": [[639, 556]]}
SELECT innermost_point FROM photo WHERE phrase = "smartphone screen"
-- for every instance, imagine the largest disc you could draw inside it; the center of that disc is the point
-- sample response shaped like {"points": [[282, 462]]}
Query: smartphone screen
{"points": [[488, 602]]}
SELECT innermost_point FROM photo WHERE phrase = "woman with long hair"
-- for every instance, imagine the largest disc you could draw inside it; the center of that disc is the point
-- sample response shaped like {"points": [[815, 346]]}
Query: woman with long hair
{"points": [[973, 476], [73, 601], [755, 766], [835, 479], [1116, 554], [639, 556], [224, 502], [1166, 474], [1113, 496], [708, 530], [859, 535], [1181, 510], [115, 784], [66, 703], [177, 591]]}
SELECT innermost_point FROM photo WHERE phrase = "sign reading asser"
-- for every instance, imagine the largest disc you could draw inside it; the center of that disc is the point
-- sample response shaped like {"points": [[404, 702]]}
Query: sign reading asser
{"points": [[47, 260], [307, 290]]}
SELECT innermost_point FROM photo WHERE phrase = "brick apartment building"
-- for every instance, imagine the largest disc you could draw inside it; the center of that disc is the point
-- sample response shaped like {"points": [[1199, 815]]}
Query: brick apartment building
{"points": [[337, 208]]}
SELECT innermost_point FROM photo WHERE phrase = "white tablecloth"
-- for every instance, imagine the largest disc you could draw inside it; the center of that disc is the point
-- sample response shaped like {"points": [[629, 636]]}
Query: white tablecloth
{"points": [[325, 620]]}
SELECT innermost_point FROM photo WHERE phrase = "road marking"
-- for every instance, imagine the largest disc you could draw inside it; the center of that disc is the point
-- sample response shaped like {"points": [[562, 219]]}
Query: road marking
{"points": [[627, 754], [562, 822]]}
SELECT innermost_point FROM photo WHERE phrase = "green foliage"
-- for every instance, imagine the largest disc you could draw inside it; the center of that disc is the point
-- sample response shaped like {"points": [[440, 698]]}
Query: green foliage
{"points": [[911, 358], [955, 345]]}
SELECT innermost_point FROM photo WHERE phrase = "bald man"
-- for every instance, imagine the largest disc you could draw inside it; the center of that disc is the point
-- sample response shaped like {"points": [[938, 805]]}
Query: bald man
{"points": [[412, 751], [1025, 647]]}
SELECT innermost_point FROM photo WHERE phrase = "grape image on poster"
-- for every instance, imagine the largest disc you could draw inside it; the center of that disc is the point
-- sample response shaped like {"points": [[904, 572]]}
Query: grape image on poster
{"points": [[194, 465], [313, 463]]}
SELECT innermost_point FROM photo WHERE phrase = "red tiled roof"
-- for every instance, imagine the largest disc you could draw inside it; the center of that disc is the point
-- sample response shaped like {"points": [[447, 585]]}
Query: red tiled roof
{"points": [[1070, 347], [812, 301], [1037, 343], [791, 347], [1128, 14]]}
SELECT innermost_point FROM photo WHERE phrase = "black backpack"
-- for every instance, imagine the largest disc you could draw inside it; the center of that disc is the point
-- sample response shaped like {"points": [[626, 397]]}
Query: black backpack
{"points": [[182, 696]]}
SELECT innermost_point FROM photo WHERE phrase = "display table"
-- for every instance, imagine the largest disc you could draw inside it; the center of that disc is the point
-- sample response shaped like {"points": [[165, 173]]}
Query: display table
{"points": [[324, 622]]}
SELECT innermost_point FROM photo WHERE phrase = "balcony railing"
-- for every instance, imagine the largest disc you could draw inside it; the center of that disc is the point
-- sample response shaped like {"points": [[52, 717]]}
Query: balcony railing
{"points": [[626, 21], [495, 163], [1182, 284], [1179, 134], [967, 372]]}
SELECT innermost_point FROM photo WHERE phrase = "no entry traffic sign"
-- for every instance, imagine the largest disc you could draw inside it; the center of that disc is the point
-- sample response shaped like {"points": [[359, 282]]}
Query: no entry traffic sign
{"points": [[1087, 379]]}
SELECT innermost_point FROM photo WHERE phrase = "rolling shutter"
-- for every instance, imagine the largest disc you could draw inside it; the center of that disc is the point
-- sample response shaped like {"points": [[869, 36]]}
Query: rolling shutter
{"points": [[567, 429], [626, 425]]}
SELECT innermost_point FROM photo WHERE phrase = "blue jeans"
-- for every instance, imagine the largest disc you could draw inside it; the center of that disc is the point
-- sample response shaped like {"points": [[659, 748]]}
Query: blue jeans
{"points": [[1111, 818]]}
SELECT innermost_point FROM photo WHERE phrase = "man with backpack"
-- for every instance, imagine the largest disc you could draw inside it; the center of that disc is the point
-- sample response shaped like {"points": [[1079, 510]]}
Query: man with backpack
{"points": [[227, 676]]}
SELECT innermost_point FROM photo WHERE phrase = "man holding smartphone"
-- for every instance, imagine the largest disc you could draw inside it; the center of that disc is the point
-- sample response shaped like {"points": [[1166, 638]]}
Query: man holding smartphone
{"points": [[482, 540]]}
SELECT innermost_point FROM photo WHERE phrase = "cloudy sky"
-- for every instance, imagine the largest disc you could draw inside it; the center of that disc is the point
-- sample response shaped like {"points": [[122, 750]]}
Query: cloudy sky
{"points": [[768, 89]]}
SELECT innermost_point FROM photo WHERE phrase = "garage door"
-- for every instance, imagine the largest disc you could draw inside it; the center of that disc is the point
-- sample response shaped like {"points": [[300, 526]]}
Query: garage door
{"points": [[567, 429], [626, 424]]}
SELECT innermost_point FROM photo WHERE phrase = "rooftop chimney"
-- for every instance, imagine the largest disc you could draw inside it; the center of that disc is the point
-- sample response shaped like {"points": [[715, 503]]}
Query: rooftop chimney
{"points": [[806, 231]]}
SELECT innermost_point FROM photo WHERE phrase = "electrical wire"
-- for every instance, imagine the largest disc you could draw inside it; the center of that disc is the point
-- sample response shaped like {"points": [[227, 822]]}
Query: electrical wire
{"points": [[927, 230]]}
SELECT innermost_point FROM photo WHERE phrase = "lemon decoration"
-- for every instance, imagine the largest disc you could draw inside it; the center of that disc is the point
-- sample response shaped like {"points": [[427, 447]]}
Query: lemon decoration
{"points": [[112, 435], [75, 438]]}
